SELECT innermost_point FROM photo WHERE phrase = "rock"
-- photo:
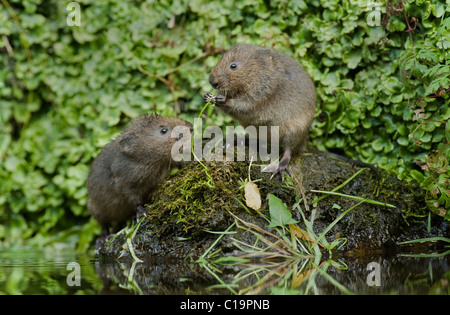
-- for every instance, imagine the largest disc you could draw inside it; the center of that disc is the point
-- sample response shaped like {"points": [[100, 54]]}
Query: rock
{"points": [[185, 209]]}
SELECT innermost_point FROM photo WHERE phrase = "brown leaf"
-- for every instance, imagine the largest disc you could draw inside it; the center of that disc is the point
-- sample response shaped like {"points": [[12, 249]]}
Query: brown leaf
{"points": [[252, 196], [303, 234]]}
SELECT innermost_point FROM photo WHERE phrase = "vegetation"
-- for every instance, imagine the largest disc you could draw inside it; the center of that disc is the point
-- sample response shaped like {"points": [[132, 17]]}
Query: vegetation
{"points": [[65, 91], [283, 253]]}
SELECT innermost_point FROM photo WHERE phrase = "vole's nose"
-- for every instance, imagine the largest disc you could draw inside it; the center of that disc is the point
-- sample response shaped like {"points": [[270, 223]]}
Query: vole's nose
{"points": [[214, 82]]}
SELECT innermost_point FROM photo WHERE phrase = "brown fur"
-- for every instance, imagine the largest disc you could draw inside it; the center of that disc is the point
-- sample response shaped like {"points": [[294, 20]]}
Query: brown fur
{"points": [[129, 168], [268, 88]]}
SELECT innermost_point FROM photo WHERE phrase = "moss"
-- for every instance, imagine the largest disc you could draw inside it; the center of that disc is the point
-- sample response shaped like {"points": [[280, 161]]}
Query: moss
{"points": [[190, 204]]}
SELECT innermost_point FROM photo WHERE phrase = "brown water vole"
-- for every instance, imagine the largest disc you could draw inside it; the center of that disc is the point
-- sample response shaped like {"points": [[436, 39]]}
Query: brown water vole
{"points": [[129, 168], [264, 87]]}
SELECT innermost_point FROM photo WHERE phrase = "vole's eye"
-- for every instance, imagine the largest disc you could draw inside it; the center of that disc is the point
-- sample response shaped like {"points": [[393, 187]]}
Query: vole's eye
{"points": [[164, 130], [233, 66]]}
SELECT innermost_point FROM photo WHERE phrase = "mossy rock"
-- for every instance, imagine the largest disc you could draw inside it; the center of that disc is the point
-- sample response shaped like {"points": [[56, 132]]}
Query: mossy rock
{"points": [[186, 208]]}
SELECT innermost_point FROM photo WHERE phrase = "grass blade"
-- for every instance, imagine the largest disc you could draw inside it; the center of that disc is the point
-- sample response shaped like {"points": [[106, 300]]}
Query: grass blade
{"points": [[354, 197], [329, 227]]}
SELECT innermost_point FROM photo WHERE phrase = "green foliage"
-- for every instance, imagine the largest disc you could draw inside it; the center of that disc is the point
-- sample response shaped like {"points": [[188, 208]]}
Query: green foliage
{"points": [[65, 91], [425, 69], [279, 214]]}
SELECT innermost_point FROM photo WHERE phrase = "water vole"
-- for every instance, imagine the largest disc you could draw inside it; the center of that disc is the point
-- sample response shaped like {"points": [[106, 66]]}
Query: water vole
{"points": [[264, 87], [129, 168]]}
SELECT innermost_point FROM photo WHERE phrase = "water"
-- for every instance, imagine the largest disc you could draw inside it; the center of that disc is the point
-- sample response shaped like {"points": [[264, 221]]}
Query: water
{"points": [[46, 272]]}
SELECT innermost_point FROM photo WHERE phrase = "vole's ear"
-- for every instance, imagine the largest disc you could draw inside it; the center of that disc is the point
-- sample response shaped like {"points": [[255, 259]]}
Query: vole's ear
{"points": [[127, 143], [265, 54]]}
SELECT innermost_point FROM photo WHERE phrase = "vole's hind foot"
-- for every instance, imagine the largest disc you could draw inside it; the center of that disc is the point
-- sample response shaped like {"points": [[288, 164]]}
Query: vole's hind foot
{"points": [[284, 165], [141, 211], [280, 170], [100, 241]]}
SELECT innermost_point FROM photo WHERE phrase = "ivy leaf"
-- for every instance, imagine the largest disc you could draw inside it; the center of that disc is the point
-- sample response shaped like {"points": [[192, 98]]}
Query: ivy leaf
{"points": [[279, 214]]}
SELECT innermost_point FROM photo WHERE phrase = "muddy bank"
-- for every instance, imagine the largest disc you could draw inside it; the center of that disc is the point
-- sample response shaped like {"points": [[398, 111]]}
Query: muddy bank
{"points": [[187, 206]]}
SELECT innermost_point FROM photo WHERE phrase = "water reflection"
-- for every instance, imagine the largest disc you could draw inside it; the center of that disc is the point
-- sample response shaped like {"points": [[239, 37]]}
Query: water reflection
{"points": [[27, 272], [347, 275], [398, 275]]}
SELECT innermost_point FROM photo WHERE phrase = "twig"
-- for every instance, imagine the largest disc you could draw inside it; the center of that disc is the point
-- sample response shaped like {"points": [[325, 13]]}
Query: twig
{"points": [[8, 46], [22, 33], [265, 240], [409, 30]]}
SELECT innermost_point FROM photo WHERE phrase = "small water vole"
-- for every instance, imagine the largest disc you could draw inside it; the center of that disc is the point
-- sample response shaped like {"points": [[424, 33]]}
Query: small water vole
{"points": [[264, 87], [129, 168]]}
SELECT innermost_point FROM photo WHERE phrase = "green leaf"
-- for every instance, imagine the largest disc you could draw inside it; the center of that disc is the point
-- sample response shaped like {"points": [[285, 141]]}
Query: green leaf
{"points": [[436, 84], [279, 214], [396, 24], [418, 176], [353, 59], [377, 145], [438, 8], [231, 261], [331, 79], [403, 141]]}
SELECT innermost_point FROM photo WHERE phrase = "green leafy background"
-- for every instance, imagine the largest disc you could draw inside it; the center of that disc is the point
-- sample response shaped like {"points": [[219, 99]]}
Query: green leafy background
{"points": [[65, 91]]}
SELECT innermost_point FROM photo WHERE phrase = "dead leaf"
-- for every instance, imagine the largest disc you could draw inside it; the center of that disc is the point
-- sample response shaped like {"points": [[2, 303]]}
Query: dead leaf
{"points": [[252, 196], [297, 280], [303, 234]]}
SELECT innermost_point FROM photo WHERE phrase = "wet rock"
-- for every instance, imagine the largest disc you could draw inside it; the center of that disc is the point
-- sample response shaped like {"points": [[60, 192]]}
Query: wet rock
{"points": [[187, 208]]}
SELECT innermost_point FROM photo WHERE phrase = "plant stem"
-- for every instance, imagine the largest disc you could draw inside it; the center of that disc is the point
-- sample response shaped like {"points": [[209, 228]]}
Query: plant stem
{"points": [[341, 185], [354, 197], [217, 241], [208, 183], [329, 227], [129, 239]]}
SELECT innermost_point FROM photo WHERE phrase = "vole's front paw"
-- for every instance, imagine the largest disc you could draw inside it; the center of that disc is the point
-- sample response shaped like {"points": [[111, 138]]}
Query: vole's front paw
{"points": [[220, 100], [208, 97]]}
